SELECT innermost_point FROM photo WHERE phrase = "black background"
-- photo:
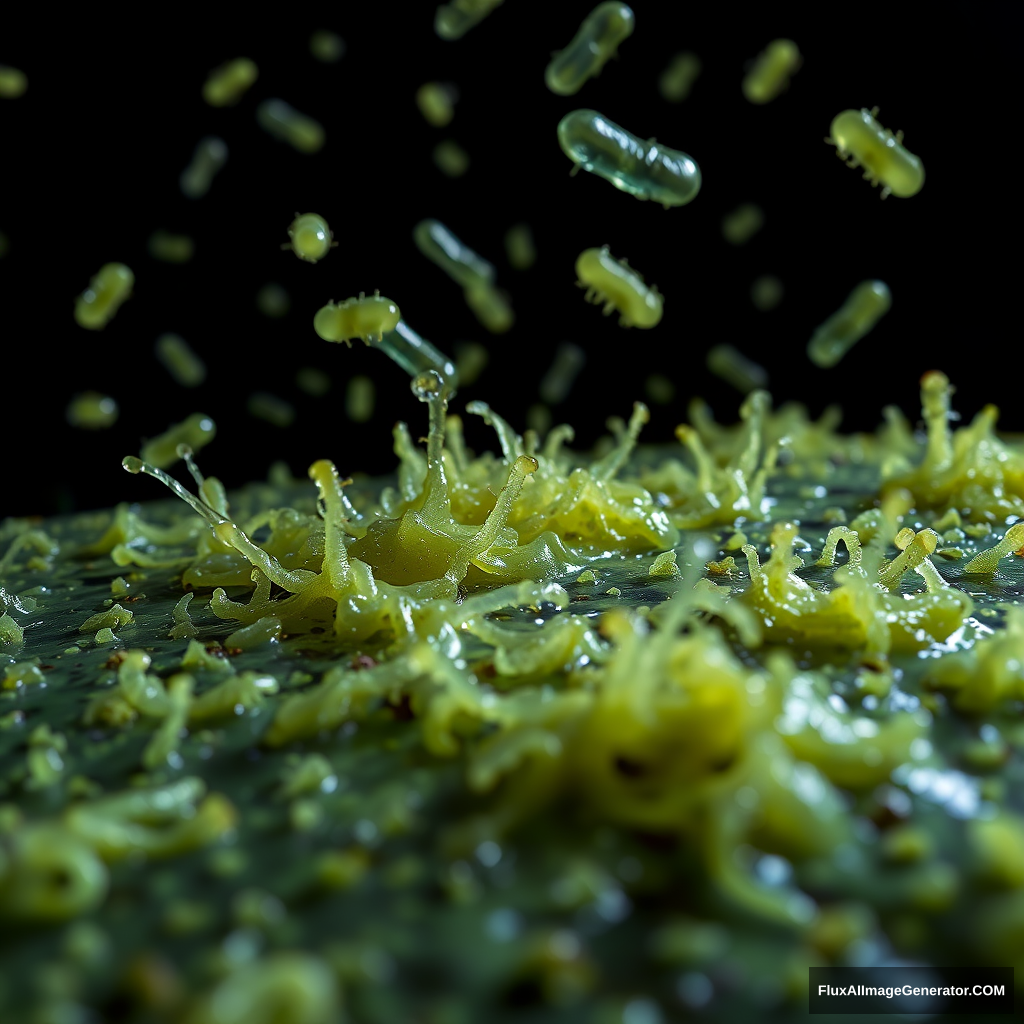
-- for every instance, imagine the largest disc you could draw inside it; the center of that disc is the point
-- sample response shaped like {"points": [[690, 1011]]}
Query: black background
{"points": [[93, 152]]}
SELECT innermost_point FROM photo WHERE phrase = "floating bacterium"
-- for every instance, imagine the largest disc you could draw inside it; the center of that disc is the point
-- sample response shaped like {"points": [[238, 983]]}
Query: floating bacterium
{"points": [[597, 40], [417, 356], [195, 432], [285, 123], [619, 287], [92, 411], [453, 256], [451, 159], [772, 70], [359, 399], [742, 224], [110, 287], [210, 156], [862, 142], [271, 409], [736, 369], [273, 301], [677, 79], [491, 306], [180, 361], [227, 84], [519, 247], [310, 237], [556, 384], [328, 47], [436, 103], [453, 20], [864, 307], [367, 317], [13, 83], [766, 292], [169, 248], [645, 170]]}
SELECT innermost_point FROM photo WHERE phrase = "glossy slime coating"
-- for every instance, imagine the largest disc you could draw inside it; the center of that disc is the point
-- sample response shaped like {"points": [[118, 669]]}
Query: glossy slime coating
{"points": [[616, 284], [310, 237], [645, 170], [457, 260], [111, 286], [369, 317], [772, 71], [597, 41], [863, 142], [227, 84], [454, 20], [866, 305], [284, 122]]}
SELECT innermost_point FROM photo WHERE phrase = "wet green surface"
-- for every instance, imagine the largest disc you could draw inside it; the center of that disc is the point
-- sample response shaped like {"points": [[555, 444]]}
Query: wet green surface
{"points": [[375, 858]]}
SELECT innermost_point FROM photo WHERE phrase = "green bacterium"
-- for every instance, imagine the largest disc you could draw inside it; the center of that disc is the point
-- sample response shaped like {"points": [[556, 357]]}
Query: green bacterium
{"points": [[417, 356], [491, 306], [862, 142], [195, 432], [92, 411], [866, 305], [645, 170], [766, 292], [471, 360], [519, 247], [676, 81], [180, 361], [311, 238], [262, 405], [596, 42], [556, 384], [286, 124], [539, 419], [660, 389], [313, 381], [771, 71], [742, 224], [272, 300], [451, 159], [736, 369], [13, 83], [326, 46], [359, 399], [437, 103], [367, 317], [170, 248], [111, 286], [619, 287], [453, 20], [210, 156], [456, 259], [227, 84]]}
